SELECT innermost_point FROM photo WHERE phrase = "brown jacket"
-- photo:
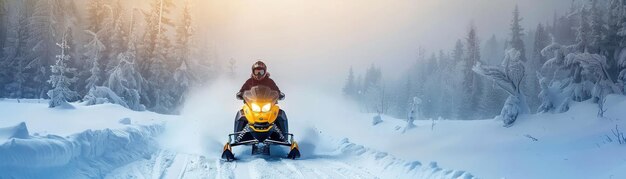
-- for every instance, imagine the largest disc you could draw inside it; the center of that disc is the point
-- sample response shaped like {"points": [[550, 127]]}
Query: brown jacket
{"points": [[267, 81]]}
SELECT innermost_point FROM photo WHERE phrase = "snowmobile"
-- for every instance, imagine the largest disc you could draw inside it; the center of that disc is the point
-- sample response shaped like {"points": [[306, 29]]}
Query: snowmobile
{"points": [[260, 123]]}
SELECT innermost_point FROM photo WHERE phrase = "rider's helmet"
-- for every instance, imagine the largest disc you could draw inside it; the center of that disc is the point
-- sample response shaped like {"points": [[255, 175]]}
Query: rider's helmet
{"points": [[259, 70]]}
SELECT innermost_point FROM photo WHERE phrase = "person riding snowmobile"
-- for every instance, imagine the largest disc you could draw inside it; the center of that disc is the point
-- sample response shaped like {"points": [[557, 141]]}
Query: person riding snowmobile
{"points": [[260, 77], [261, 122]]}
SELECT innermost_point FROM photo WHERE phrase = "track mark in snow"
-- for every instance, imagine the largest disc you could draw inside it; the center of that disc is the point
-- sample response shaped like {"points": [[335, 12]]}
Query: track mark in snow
{"points": [[163, 161], [198, 167], [355, 162], [182, 172], [311, 171], [225, 169], [176, 169], [294, 169], [262, 168], [348, 170]]}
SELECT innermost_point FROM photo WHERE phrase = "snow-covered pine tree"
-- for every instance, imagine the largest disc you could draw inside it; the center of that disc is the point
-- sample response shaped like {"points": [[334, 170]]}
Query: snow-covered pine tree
{"points": [[594, 67], [565, 27], [536, 61], [597, 28], [619, 17], [471, 85], [350, 87], [155, 39], [578, 75], [568, 77], [101, 17], [155, 50], [101, 95], [43, 37], [615, 40], [556, 92], [429, 89], [183, 76], [447, 81], [359, 87], [372, 88], [3, 24], [583, 38], [492, 97], [184, 80], [184, 34], [125, 80], [457, 79], [402, 96], [612, 40], [582, 86], [94, 50], [492, 51], [16, 57], [414, 113], [117, 40], [459, 51], [542, 40], [509, 77], [4, 75], [68, 19], [622, 74], [517, 31], [96, 14], [60, 93]]}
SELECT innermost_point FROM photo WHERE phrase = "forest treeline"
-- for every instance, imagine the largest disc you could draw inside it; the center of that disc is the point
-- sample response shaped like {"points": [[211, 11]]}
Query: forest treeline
{"points": [[578, 56]]}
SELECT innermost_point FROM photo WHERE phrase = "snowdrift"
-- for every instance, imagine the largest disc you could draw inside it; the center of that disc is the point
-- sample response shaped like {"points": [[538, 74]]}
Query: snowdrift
{"points": [[81, 142], [91, 153], [19, 131], [385, 165]]}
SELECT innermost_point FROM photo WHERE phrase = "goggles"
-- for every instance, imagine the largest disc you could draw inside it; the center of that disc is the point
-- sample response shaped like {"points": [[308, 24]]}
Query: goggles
{"points": [[259, 72]]}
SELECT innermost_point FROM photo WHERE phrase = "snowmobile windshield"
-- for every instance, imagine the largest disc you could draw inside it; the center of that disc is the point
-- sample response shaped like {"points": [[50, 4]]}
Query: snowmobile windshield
{"points": [[261, 94]]}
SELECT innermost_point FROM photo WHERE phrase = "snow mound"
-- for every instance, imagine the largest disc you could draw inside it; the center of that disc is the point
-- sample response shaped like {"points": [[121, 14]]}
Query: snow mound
{"points": [[101, 95], [89, 154], [385, 165], [125, 121], [18, 131]]}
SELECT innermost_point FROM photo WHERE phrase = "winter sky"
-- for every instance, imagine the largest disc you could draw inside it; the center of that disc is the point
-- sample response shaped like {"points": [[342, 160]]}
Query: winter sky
{"points": [[307, 37], [325, 37]]}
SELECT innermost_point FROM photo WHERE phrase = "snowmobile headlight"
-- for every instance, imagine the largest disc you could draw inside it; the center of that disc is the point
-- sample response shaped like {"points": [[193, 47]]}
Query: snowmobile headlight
{"points": [[266, 107], [255, 107]]}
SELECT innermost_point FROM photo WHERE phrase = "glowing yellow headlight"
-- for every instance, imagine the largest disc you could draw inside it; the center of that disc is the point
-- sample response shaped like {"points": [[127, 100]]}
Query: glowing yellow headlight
{"points": [[266, 107], [255, 107]]}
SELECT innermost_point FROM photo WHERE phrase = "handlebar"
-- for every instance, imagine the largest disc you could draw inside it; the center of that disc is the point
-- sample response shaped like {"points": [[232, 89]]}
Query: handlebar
{"points": [[239, 96]]}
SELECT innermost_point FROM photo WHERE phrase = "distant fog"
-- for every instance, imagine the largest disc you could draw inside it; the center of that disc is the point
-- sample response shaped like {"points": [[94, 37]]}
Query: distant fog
{"points": [[319, 40]]}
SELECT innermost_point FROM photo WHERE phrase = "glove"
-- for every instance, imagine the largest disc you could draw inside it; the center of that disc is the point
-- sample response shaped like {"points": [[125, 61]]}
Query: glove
{"points": [[281, 96], [239, 95]]}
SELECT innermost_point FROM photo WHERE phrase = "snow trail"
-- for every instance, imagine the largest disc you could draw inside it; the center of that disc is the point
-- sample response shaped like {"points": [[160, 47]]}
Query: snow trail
{"points": [[348, 160]]}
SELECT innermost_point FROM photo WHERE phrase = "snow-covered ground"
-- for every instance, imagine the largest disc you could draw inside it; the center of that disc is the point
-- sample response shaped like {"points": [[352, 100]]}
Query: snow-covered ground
{"points": [[336, 141], [574, 144]]}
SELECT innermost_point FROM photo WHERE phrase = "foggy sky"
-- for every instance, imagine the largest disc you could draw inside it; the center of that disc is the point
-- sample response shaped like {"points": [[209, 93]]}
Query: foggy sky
{"points": [[319, 40]]}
